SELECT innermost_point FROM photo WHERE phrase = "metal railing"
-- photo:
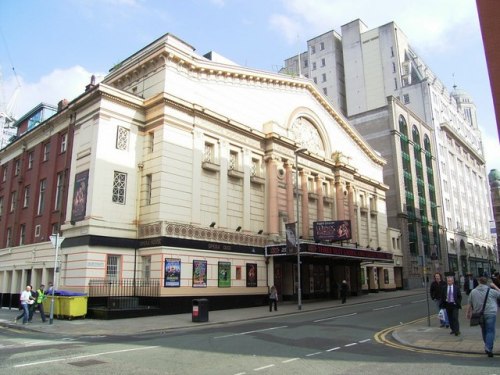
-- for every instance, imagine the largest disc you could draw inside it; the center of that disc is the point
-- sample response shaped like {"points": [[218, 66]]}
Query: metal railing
{"points": [[124, 293]]}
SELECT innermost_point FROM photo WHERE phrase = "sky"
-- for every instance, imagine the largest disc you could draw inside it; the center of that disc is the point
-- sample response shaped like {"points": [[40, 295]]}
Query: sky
{"points": [[50, 48]]}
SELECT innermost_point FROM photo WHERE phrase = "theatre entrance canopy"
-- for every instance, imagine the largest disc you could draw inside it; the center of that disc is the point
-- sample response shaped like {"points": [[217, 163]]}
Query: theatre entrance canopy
{"points": [[334, 251]]}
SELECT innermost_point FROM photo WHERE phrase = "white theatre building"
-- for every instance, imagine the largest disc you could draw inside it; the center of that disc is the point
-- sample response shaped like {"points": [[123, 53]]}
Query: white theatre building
{"points": [[182, 170]]}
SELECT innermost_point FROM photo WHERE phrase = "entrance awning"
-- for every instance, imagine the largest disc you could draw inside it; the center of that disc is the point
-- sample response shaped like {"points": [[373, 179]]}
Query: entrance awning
{"points": [[314, 249]]}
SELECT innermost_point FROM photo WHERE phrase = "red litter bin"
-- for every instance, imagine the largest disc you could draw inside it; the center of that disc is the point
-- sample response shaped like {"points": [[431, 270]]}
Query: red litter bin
{"points": [[200, 310]]}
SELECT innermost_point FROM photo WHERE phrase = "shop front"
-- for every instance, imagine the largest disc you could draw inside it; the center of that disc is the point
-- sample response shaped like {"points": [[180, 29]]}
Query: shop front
{"points": [[323, 268]]}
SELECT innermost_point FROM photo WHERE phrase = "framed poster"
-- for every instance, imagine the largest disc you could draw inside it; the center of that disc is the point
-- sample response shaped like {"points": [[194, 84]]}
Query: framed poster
{"points": [[172, 273], [224, 275], [199, 273], [79, 207], [252, 275]]}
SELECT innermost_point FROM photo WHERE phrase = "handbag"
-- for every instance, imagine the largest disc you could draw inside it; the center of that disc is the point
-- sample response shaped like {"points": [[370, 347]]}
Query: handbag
{"points": [[477, 319]]}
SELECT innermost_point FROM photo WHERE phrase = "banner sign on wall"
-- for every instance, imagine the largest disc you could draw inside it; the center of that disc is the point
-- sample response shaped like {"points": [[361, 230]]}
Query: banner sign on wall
{"points": [[80, 196], [224, 274], [339, 230], [172, 273], [199, 273], [252, 275]]}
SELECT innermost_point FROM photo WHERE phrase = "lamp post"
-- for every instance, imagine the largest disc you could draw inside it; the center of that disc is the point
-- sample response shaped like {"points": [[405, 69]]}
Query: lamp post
{"points": [[56, 241], [297, 237]]}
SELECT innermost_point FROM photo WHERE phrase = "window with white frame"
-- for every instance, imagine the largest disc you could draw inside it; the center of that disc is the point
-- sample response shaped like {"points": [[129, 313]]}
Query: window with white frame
{"points": [[64, 142], [22, 234], [323, 62], [314, 65], [233, 161], [323, 77], [146, 267], [406, 98], [122, 138], [113, 267], [17, 167], [41, 196], [26, 199], [208, 154], [13, 199], [46, 151], [324, 187], [255, 168], [325, 91], [151, 141], [38, 230], [8, 238], [59, 191], [322, 46], [119, 187], [31, 158], [149, 187], [313, 50]]}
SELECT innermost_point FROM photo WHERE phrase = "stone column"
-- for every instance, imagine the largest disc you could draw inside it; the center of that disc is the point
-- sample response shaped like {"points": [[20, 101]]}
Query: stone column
{"points": [[320, 204], [304, 231], [339, 198], [290, 206], [352, 217], [272, 211]]}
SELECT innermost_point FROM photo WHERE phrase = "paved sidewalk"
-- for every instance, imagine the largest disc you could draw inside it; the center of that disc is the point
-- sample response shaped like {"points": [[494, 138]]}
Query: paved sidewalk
{"points": [[416, 334]]}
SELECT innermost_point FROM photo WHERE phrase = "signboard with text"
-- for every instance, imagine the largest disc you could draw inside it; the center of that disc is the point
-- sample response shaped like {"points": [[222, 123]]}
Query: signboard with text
{"points": [[339, 230]]}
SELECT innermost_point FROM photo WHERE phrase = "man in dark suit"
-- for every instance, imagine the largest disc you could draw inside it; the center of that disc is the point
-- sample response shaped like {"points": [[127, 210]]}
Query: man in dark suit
{"points": [[451, 300]]}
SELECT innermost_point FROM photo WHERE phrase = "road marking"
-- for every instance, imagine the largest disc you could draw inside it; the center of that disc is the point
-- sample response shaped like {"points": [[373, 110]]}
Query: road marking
{"points": [[418, 301], [83, 356], [310, 355], [248, 332], [388, 307], [263, 368], [332, 349], [363, 341], [381, 338], [290, 360], [334, 317], [352, 344]]}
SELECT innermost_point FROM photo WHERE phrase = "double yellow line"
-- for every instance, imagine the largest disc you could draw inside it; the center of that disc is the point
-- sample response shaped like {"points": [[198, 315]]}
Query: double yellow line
{"points": [[383, 337]]}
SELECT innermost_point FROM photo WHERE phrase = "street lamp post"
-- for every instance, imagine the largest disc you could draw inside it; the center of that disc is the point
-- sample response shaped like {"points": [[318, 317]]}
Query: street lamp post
{"points": [[424, 269], [297, 237], [56, 241]]}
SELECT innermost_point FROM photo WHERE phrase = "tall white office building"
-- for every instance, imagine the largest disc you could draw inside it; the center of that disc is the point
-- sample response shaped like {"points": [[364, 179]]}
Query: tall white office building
{"points": [[380, 72]]}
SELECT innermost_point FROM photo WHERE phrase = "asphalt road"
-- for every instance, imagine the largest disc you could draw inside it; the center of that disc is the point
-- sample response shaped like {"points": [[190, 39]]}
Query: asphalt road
{"points": [[335, 341]]}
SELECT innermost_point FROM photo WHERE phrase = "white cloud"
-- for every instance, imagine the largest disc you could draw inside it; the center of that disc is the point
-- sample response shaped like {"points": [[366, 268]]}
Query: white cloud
{"points": [[57, 85], [428, 23], [492, 151], [287, 26]]}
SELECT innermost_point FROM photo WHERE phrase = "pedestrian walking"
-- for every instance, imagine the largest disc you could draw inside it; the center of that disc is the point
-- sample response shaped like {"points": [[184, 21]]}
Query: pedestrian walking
{"points": [[487, 297], [344, 289], [273, 299], [26, 301], [435, 292], [451, 300], [38, 305], [470, 283]]}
